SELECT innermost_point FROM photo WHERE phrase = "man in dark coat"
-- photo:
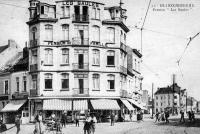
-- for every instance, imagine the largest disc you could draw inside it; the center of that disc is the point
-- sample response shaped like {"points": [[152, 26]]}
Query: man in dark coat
{"points": [[182, 116]]}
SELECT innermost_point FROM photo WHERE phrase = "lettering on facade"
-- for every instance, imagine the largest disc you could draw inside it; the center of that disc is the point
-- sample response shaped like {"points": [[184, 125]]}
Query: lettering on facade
{"points": [[81, 3]]}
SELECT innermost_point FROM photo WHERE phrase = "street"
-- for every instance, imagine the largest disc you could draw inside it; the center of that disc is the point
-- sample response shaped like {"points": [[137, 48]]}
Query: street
{"points": [[144, 127]]}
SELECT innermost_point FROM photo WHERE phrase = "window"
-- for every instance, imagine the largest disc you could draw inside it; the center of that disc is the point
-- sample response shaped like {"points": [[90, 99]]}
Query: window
{"points": [[161, 97], [96, 13], [96, 82], [17, 83], [65, 31], [48, 81], [161, 104], [66, 11], [156, 97], [65, 56], [111, 35], [96, 33], [156, 103], [6, 86], [34, 30], [110, 58], [111, 82], [96, 57], [34, 81], [65, 81], [42, 9], [49, 32], [48, 57], [24, 83]]}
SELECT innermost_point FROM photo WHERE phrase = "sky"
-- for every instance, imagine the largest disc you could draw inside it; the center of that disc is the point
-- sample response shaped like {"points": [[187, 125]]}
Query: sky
{"points": [[165, 36]]}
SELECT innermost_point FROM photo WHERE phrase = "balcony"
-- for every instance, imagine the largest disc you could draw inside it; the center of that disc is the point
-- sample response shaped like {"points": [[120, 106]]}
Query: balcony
{"points": [[80, 18], [80, 91], [80, 67], [123, 47], [33, 43], [79, 41], [123, 70], [33, 67], [95, 43], [33, 92]]}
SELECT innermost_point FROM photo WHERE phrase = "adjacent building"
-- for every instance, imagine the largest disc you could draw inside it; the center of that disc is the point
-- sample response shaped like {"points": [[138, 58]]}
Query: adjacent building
{"points": [[78, 59]]}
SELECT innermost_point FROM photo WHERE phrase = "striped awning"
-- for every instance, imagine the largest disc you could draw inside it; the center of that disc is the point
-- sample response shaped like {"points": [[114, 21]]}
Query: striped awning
{"points": [[13, 106], [80, 105], [127, 104], [105, 104], [136, 104], [57, 104]]}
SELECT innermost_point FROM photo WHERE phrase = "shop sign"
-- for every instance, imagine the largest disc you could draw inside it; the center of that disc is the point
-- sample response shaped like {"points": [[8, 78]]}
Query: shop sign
{"points": [[3, 97], [81, 3]]}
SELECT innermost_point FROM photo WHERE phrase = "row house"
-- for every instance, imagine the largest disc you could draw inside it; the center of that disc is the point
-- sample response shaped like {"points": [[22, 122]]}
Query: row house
{"points": [[78, 58], [14, 88]]}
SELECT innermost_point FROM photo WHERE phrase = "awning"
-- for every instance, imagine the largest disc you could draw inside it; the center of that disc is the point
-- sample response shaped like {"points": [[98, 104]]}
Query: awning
{"points": [[13, 106], [105, 104], [57, 104], [80, 105], [136, 104], [127, 104]]}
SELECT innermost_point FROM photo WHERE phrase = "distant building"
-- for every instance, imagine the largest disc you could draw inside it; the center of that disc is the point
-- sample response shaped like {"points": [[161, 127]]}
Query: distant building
{"points": [[167, 98], [8, 51], [192, 104]]}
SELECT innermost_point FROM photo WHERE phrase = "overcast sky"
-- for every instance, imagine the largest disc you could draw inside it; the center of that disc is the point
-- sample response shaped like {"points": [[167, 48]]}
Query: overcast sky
{"points": [[161, 48]]}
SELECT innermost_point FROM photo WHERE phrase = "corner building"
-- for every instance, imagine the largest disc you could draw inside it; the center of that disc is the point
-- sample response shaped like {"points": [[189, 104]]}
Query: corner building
{"points": [[78, 56]]}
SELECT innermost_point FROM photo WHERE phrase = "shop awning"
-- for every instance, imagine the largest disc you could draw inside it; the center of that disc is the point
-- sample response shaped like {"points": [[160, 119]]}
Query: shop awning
{"points": [[136, 104], [57, 104], [105, 104], [80, 105], [127, 104], [13, 106]]}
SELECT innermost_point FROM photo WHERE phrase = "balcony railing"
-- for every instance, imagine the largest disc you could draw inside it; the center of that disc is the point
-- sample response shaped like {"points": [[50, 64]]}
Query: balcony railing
{"points": [[33, 67], [123, 70], [80, 18], [33, 43], [80, 91], [33, 92], [79, 41], [77, 66], [123, 47]]}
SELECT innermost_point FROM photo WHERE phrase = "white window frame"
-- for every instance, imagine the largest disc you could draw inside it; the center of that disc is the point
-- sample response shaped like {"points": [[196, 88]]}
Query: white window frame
{"points": [[48, 32], [111, 34], [96, 57], [65, 32], [48, 56], [111, 77], [96, 81]]}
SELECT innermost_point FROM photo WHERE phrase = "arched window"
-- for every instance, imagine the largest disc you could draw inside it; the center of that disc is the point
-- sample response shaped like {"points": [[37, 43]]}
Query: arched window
{"points": [[34, 31], [65, 56], [96, 33], [110, 58], [48, 56], [96, 81], [111, 35], [49, 32], [96, 57], [111, 82], [65, 81], [48, 81]]}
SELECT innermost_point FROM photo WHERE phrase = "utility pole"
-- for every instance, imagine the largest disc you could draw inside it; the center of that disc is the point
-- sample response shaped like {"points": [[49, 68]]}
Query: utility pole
{"points": [[186, 102], [152, 100], [191, 103], [173, 94]]}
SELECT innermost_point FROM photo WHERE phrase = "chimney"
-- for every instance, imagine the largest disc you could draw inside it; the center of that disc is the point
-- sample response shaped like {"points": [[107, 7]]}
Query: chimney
{"points": [[12, 43]]}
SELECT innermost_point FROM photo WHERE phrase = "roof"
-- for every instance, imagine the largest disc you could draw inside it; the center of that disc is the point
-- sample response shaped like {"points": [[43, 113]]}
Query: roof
{"points": [[2, 48], [168, 90]]}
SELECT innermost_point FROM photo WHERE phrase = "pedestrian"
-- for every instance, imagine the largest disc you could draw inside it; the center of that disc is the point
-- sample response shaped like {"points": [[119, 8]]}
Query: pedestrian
{"points": [[112, 119], [93, 121], [141, 115], [182, 116], [192, 116], [157, 117], [167, 116], [63, 120], [86, 127], [162, 116], [17, 123], [77, 117], [130, 115], [39, 127]]}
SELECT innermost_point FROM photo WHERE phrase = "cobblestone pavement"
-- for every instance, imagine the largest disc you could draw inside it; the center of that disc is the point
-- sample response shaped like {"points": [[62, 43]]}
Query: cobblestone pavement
{"points": [[144, 127]]}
